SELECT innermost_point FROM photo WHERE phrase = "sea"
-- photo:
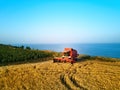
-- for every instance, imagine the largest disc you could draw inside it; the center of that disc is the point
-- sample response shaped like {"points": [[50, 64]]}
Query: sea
{"points": [[105, 50]]}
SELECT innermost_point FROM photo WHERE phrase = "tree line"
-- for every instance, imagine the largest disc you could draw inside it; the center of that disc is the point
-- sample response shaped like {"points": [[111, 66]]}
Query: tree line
{"points": [[10, 53]]}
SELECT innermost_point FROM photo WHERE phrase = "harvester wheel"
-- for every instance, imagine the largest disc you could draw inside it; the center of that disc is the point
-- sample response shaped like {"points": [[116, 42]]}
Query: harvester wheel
{"points": [[54, 60], [71, 62], [76, 59], [64, 61]]}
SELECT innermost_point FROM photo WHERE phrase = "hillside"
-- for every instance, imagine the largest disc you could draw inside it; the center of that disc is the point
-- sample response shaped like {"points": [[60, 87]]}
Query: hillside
{"points": [[19, 54], [84, 75]]}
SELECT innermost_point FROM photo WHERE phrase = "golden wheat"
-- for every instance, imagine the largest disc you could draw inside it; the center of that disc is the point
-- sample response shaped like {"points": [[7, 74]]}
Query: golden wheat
{"points": [[85, 75]]}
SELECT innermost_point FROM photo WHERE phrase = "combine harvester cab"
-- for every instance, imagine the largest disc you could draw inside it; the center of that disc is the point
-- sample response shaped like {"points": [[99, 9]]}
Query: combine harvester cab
{"points": [[68, 55]]}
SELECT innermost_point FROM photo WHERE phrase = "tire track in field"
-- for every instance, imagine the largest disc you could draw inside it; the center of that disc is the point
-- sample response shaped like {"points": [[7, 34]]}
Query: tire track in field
{"points": [[76, 84], [68, 80]]}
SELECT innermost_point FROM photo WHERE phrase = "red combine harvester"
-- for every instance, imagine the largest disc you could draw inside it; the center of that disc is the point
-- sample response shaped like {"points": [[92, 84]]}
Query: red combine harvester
{"points": [[69, 55]]}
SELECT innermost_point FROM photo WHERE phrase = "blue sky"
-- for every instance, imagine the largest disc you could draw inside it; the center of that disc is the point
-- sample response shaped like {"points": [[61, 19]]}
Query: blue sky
{"points": [[59, 21]]}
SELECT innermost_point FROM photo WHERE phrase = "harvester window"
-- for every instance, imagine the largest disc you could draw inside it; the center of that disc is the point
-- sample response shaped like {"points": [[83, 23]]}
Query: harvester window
{"points": [[66, 53]]}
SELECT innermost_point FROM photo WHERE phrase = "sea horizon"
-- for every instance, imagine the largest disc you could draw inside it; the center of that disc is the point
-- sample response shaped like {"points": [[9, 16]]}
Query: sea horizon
{"points": [[93, 49]]}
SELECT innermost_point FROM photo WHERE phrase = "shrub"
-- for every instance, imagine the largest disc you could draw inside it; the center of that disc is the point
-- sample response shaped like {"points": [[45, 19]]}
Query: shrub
{"points": [[10, 53]]}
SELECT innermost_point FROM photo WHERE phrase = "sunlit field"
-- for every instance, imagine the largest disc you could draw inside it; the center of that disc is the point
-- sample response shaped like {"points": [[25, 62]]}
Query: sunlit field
{"points": [[84, 75], [59, 44]]}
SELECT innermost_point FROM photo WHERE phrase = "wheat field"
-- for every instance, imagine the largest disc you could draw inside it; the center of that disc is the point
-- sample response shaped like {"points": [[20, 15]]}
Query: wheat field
{"points": [[84, 75]]}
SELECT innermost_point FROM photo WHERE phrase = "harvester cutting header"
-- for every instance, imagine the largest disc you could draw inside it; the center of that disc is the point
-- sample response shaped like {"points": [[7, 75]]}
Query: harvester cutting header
{"points": [[68, 55]]}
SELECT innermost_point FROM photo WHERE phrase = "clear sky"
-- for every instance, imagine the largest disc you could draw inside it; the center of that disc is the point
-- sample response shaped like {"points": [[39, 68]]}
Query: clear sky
{"points": [[59, 21]]}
